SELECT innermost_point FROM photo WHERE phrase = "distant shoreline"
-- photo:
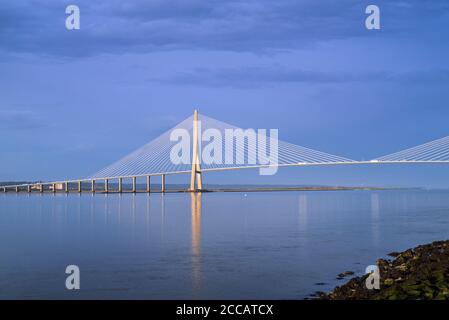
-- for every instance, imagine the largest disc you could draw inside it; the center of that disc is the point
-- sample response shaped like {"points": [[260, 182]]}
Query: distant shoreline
{"points": [[243, 190], [277, 189]]}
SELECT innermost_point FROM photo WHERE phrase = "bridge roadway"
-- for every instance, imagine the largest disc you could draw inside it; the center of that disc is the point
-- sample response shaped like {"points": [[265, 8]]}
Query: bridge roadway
{"points": [[64, 185]]}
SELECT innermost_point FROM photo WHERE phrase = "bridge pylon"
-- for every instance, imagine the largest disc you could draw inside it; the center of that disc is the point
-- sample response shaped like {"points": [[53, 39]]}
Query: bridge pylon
{"points": [[196, 181]]}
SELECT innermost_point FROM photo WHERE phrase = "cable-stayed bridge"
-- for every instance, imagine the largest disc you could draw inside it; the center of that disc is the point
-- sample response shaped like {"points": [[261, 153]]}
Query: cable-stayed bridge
{"points": [[182, 150]]}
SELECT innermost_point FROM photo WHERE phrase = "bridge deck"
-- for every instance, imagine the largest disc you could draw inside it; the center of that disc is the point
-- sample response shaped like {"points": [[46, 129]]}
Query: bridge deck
{"points": [[35, 185]]}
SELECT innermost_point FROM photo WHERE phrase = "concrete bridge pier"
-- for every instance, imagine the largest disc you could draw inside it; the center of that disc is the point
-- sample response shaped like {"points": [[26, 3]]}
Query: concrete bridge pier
{"points": [[79, 187], [163, 183], [93, 186], [66, 186], [120, 185], [134, 184], [29, 188], [148, 184], [106, 185]]}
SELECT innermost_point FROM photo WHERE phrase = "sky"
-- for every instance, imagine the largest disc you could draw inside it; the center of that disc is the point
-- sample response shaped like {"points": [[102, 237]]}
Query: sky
{"points": [[72, 102]]}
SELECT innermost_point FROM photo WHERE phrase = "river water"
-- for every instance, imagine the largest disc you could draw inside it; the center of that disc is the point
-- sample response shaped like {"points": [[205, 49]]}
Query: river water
{"points": [[273, 245]]}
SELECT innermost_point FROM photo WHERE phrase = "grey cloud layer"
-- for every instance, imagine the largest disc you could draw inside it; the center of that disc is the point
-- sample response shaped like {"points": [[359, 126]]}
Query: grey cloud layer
{"points": [[20, 120], [113, 26], [258, 76]]}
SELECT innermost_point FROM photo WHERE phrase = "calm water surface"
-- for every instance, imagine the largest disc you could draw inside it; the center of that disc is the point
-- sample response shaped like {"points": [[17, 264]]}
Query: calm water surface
{"points": [[212, 246]]}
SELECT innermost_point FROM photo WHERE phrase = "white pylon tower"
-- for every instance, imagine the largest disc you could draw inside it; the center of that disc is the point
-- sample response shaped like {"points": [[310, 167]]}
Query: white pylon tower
{"points": [[196, 181]]}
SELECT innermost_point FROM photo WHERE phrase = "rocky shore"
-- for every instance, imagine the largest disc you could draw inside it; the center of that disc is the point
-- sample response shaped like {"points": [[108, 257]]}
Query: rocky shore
{"points": [[421, 273]]}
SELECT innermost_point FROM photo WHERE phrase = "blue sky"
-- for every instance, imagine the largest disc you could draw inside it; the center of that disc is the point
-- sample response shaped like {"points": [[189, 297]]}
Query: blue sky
{"points": [[72, 102]]}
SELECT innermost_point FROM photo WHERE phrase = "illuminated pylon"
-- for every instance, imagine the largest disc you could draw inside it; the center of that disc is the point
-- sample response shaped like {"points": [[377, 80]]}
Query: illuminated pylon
{"points": [[196, 182]]}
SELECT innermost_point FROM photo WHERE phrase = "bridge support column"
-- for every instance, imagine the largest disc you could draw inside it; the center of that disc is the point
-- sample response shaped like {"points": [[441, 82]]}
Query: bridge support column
{"points": [[4, 190], [17, 189], [66, 185], [120, 185], [148, 184], [106, 185], [54, 187], [79, 187], [29, 188], [93, 186], [163, 183], [41, 188], [196, 182], [134, 184]]}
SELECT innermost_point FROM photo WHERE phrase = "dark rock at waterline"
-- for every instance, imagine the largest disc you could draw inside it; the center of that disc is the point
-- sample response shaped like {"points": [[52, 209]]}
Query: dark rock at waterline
{"points": [[316, 295], [345, 274], [419, 273], [393, 254]]}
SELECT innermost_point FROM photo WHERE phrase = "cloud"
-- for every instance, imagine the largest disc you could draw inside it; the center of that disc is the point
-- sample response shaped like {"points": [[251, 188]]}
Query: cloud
{"points": [[76, 148], [116, 26], [248, 77], [20, 120], [258, 76], [436, 76]]}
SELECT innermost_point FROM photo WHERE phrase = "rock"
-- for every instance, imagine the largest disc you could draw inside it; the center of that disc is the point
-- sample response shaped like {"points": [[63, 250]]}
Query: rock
{"points": [[419, 273], [345, 274], [402, 267], [407, 254], [319, 293], [393, 254]]}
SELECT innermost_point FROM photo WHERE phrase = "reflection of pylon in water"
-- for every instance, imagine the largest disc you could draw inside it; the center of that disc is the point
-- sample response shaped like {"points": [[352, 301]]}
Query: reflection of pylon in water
{"points": [[196, 181], [196, 240], [196, 223]]}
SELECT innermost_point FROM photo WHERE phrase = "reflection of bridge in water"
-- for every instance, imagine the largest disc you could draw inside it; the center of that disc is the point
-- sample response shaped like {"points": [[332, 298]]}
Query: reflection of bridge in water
{"points": [[154, 160], [196, 238]]}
